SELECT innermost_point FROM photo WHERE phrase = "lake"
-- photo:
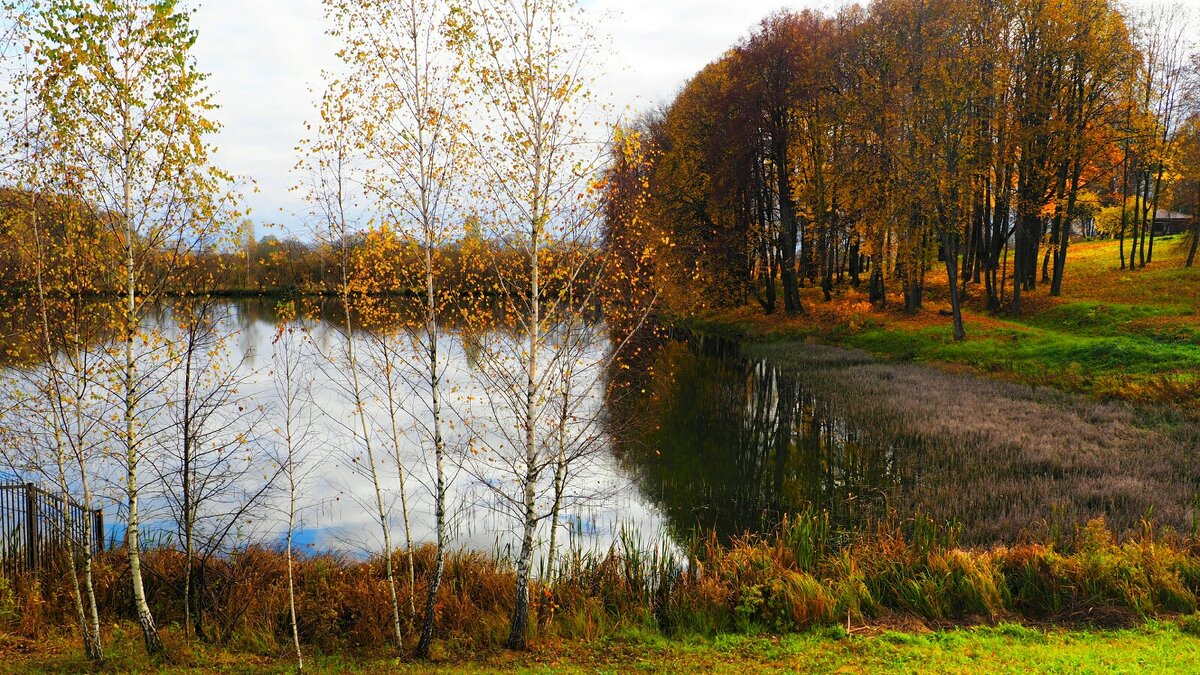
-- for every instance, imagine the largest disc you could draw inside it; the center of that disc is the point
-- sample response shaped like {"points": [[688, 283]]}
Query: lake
{"points": [[691, 432]]}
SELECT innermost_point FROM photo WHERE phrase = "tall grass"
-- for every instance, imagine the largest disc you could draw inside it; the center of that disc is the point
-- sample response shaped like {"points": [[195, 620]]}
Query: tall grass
{"points": [[801, 575], [1009, 461]]}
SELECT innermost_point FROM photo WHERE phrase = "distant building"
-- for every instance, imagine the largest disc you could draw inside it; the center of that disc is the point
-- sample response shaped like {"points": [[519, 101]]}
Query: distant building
{"points": [[1170, 222]]}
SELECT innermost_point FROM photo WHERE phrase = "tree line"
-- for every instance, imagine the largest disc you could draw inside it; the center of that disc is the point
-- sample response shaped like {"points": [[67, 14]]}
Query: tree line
{"points": [[868, 145]]}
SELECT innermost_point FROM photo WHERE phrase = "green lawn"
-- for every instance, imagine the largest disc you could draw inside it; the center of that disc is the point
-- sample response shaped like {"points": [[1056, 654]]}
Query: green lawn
{"points": [[1115, 333], [1007, 648]]}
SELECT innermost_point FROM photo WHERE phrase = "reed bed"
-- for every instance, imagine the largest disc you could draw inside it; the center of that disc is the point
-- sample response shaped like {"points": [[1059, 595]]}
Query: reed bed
{"points": [[1010, 462], [800, 575]]}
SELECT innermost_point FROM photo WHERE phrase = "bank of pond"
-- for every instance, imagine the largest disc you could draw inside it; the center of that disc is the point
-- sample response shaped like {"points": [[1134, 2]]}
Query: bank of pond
{"points": [[801, 575]]}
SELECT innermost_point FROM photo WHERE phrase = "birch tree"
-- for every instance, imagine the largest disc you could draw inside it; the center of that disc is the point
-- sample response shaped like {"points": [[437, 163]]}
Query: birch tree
{"points": [[54, 415], [405, 82], [130, 115], [50, 404], [540, 158], [293, 388], [332, 190]]}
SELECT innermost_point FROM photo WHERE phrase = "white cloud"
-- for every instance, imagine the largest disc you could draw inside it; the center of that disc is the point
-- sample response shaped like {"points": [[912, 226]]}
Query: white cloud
{"points": [[265, 55], [658, 46]]}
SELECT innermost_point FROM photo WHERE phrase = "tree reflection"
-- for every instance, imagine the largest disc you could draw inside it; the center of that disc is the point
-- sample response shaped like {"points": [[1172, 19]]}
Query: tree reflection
{"points": [[719, 441]]}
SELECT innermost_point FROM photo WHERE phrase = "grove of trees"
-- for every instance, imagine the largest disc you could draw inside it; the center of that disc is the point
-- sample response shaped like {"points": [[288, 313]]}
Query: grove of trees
{"points": [[455, 184], [461, 198], [866, 146]]}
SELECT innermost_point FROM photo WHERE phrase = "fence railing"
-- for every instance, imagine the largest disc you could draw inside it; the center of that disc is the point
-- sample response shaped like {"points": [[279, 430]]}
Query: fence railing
{"points": [[34, 527]]}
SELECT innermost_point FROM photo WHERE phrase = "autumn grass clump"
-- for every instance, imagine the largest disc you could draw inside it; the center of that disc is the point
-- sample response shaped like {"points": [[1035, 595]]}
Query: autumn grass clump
{"points": [[802, 575]]}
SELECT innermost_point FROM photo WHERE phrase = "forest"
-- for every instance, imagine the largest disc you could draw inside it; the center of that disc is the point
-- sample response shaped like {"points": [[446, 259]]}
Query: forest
{"points": [[868, 146], [537, 378]]}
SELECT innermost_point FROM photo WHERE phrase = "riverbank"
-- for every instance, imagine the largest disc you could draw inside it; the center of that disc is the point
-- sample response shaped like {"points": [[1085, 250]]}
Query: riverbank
{"points": [[1115, 334], [814, 591], [1158, 646]]}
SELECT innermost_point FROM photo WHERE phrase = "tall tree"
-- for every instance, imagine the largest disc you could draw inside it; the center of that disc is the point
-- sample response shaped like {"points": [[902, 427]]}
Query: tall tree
{"points": [[331, 166], [539, 168], [130, 116], [404, 80], [779, 63], [293, 387]]}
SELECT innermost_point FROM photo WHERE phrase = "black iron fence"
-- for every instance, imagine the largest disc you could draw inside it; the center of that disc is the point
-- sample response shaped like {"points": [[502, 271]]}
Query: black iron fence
{"points": [[34, 527]]}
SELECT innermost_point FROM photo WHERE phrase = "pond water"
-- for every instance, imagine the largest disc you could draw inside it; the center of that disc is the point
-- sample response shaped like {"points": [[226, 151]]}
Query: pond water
{"points": [[691, 433]]}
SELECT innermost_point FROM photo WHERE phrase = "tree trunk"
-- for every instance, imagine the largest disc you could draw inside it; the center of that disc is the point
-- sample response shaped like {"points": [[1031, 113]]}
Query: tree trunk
{"points": [[130, 395], [1158, 180], [389, 376], [189, 551], [1124, 204], [950, 244], [439, 451], [1060, 260], [291, 566], [1191, 258], [788, 224], [520, 616], [381, 511], [79, 555], [89, 587], [291, 562]]}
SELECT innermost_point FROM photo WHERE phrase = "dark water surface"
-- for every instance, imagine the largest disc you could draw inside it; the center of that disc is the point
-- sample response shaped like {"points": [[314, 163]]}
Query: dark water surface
{"points": [[733, 442], [734, 437]]}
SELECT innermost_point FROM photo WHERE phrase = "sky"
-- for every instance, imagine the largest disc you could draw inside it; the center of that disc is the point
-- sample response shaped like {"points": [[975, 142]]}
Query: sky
{"points": [[265, 57]]}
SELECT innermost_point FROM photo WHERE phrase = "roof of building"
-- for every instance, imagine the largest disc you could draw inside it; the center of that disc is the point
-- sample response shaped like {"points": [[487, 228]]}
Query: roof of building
{"points": [[1163, 214]]}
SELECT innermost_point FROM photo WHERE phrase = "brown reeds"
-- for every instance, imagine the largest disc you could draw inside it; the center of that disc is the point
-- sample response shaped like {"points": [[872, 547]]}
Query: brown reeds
{"points": [[793, 578]]}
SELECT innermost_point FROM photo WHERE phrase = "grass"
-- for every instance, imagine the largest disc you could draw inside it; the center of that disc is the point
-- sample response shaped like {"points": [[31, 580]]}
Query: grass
{"points": [[1128, 334], [752, 600], [1157, 646]]}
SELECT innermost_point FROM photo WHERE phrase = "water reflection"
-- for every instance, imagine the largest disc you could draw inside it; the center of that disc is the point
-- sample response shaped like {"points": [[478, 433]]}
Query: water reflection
{"points": [[722, 441], [339, 497], [696, 433]]}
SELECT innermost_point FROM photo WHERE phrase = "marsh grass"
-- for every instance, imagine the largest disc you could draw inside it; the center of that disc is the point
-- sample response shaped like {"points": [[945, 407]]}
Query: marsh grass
{"points": [[1009, 462], [794, 578]]}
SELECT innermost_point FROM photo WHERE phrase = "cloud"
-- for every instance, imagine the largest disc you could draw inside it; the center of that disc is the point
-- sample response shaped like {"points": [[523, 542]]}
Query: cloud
{"points": [[265, 59], [658, 46], [265, 56]]}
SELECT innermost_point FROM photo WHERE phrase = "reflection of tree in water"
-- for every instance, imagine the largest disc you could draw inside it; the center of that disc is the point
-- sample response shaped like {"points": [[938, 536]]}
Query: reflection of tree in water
{"points": [[721, 441]]}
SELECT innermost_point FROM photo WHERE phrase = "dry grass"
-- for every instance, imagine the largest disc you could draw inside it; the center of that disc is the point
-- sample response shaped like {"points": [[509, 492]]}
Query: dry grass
{"points": [[788, 580], [1007, 460]]}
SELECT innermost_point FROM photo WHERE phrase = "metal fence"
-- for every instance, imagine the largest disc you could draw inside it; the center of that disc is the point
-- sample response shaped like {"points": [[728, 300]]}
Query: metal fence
{"points": [[34, 527]]}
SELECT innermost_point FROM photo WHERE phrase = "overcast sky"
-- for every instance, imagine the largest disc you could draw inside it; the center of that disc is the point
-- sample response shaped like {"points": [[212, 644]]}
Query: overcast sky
{"points": [[265, 59]]}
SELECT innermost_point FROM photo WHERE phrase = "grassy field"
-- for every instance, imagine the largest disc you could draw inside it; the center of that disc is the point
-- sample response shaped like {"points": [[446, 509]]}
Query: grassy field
{"points": [[1130, 334], [1162, 646]]}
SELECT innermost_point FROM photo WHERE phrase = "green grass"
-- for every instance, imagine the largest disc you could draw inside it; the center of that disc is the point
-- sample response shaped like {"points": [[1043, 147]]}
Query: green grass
{"points": [[1156, 647], [1095, 350], [1131, 334]]}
